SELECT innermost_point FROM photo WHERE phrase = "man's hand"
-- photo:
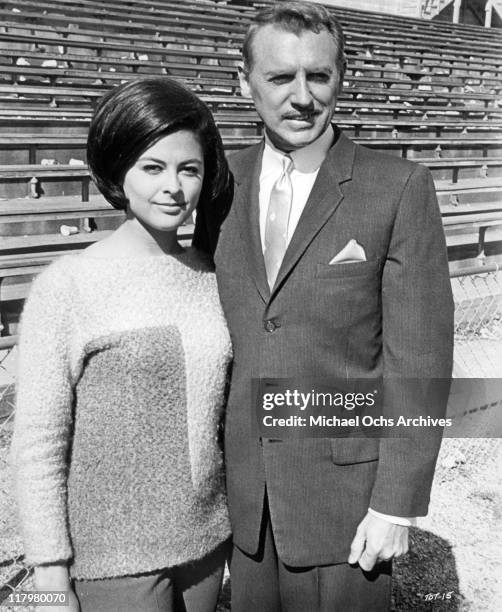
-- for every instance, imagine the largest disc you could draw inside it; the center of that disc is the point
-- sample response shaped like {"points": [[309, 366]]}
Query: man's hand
{"points": [[376, 540]]}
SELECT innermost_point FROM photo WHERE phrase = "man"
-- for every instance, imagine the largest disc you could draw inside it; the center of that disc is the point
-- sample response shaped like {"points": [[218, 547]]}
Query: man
{"points": [[331, 263]]}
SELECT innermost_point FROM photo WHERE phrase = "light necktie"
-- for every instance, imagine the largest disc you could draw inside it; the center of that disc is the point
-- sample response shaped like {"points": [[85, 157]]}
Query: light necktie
{"points": [[276, 226]]}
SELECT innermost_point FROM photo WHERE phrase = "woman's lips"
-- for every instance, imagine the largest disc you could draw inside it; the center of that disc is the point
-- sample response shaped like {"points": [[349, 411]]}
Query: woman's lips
{"points": [[171, 204]]}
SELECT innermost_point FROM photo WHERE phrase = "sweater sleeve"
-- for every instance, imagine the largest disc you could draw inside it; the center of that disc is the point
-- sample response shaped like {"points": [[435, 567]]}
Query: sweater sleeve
{"points": [[43, 418]]}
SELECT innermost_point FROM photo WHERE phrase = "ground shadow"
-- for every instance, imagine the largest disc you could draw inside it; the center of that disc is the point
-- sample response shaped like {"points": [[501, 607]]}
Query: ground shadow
{"points": [[426, 578]]}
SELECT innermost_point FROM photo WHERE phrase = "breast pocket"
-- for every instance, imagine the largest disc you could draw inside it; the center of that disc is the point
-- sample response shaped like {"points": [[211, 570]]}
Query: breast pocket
{"points": [[347, 293], [348, 270]]}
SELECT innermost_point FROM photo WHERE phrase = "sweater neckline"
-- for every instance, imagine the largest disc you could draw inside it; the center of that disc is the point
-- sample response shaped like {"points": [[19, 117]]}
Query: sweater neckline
{"points": [[161, 257]]}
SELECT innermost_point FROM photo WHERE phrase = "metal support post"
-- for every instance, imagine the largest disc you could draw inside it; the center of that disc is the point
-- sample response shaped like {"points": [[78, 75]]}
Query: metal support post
{"points": [[488, 13], [456, 11]]}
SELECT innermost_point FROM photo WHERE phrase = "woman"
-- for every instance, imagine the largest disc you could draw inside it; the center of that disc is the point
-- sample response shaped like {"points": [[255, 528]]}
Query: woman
{"points": [[123, 358]]}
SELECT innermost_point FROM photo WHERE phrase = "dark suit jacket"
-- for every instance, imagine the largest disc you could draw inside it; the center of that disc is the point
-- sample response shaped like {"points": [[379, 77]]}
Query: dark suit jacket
{"points": [[390, 316]]}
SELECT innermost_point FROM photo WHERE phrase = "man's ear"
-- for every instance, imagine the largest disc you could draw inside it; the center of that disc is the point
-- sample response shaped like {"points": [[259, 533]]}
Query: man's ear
{"points": [[244, 81]]}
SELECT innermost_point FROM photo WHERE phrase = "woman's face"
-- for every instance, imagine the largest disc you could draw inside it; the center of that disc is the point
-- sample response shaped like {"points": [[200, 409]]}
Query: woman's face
{"points": [[164, 185]]}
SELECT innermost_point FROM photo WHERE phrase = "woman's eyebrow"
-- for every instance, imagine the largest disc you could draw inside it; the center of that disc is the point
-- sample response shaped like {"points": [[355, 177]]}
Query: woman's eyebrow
{"points": [[148, 158], [193, 160]]}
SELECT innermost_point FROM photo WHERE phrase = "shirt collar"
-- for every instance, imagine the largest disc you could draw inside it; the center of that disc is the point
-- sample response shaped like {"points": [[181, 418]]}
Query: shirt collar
{"points": [[306, 160]]}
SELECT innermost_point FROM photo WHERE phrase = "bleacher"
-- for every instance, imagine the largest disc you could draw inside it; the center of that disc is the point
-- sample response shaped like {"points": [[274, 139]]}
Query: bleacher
{"points": [[429, 91]]}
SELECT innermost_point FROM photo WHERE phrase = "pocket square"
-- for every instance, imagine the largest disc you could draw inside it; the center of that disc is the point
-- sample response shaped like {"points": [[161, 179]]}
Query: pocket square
{"points": [[352, 252]]}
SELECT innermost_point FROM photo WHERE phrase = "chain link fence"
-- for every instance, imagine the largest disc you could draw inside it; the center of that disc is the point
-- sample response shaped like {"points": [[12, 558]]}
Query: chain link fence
{"points": [[14, 575], [478, 322], [478, 354]]}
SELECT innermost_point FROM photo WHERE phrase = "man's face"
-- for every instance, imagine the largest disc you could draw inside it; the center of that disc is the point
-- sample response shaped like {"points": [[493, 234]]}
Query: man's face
{"points": [[294, 82]]}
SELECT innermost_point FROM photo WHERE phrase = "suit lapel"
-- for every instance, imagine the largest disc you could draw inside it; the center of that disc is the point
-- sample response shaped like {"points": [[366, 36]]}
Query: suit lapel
{"points": [[324, 199], [246, 204]]}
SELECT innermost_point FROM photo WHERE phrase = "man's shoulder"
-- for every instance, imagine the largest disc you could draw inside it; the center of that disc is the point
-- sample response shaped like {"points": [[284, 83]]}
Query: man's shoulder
{"points": [[243, 157], [387, 162], [387, 172]]}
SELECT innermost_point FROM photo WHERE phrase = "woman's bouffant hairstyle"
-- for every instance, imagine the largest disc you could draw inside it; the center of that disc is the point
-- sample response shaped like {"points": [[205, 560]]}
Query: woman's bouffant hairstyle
{"points": [[132, 117]]}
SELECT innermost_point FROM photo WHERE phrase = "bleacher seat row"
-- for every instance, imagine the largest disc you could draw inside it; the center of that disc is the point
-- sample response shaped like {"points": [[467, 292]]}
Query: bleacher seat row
{"points": [[429, 91]]}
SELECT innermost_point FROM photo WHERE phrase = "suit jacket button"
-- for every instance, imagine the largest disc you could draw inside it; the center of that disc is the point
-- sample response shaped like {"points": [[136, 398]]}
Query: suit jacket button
{"points": [[270, 326]]}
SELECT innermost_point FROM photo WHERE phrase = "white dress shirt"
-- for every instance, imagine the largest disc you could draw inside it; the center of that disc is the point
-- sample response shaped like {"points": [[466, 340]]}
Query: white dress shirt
{"points": [[307, 162]]}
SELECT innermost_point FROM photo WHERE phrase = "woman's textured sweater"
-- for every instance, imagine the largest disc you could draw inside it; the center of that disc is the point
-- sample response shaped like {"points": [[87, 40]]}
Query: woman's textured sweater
{"points": [[120, 390]]}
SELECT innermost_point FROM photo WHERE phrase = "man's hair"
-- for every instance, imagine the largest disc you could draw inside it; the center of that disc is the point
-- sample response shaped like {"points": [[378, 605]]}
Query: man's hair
{"points": [[132, 117], [295, 17]]}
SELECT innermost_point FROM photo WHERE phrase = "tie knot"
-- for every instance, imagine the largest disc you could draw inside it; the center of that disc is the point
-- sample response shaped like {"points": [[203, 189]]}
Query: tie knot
{"points": [[287, 164]]}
